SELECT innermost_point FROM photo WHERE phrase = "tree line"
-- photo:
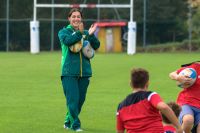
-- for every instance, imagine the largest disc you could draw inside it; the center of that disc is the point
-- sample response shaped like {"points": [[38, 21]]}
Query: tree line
{"points": [[166, 21]]}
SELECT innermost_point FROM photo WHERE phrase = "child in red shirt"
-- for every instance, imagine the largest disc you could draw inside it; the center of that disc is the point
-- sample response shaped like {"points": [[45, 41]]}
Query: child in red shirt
{"points": [[189, 99], [139, 112], [168, 127]]}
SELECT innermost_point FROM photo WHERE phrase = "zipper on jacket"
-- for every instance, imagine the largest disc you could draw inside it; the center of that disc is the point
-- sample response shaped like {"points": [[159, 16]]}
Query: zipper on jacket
{"points": [[81, 69]]}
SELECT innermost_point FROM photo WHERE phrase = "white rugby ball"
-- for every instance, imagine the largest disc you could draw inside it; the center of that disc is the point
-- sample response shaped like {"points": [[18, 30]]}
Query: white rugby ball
{"points": [[87, 50], [189, 73]]}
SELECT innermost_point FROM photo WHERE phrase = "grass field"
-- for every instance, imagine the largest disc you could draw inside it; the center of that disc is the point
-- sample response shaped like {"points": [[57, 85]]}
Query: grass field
{"points": [[32, 100]]}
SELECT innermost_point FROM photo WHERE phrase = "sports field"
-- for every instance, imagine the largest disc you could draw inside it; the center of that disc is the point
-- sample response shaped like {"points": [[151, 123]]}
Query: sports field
{"points": [[32, 100]]}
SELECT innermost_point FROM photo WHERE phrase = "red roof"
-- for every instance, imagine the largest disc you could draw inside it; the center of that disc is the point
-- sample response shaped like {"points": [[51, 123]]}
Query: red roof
{"points": [[110, 24]]}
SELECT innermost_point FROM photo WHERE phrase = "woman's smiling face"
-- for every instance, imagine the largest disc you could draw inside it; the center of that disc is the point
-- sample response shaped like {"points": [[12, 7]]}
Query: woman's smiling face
{"points": [[75, 19]]}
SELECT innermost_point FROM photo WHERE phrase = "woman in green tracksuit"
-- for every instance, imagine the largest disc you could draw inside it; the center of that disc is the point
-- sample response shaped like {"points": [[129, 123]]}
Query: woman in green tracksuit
{"points": [[75, 67]]}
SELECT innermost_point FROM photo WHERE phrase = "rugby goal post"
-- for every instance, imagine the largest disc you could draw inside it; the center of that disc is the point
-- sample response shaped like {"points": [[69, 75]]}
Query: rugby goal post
{"points": [[34, 25]]}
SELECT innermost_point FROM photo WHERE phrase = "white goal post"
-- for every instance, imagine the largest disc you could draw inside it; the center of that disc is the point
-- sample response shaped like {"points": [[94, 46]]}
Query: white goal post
{"points": [[34, 25]]}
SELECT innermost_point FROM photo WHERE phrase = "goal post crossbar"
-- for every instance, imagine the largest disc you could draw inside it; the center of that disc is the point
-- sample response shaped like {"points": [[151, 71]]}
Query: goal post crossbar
{"points": [[83, 5], [40, 5]]}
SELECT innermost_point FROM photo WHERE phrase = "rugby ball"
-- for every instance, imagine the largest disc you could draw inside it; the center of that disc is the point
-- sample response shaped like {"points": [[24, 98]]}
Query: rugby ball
{"points": [[76, 47], [189, 73], [87, 50]]}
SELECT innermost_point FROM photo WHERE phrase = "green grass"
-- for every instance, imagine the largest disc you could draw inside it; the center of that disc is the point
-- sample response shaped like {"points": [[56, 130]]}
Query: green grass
{"points": [[32, 100]]}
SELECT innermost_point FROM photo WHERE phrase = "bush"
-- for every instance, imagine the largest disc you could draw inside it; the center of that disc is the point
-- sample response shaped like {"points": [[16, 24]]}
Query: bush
{"points": [[172, 47]]}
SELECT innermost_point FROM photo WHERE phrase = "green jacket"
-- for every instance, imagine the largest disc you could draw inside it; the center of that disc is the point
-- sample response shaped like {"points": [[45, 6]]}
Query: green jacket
{"points": [[75, 64]]}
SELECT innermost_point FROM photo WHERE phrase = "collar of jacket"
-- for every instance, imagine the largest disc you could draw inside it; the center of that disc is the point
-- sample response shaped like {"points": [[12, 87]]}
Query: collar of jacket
{"points": [[71, 27]]}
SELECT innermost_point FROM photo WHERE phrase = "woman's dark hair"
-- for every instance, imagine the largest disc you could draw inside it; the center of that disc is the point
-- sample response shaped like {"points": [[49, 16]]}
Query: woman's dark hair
{"points": [[75, 10], [139, 78], [188, 64]]}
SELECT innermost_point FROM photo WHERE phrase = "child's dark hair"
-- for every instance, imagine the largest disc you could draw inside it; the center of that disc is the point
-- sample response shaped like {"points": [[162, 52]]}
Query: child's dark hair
{"points": [[139, 78], [75, 10], [188, 64], [176, 109]]}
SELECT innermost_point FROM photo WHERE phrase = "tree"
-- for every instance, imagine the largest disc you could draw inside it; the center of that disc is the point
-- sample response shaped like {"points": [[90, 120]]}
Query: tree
{"points": [[165, 20], [196, 23]]}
